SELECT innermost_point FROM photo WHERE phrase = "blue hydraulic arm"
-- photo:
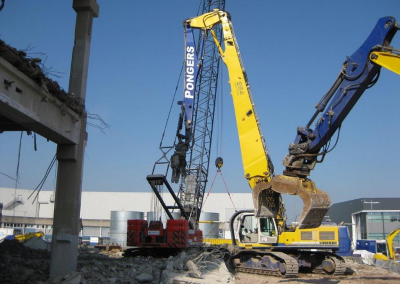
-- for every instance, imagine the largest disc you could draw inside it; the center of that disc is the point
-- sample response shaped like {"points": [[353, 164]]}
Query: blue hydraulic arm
{"points": [[358, 74], [192, 68], [360, 71]]}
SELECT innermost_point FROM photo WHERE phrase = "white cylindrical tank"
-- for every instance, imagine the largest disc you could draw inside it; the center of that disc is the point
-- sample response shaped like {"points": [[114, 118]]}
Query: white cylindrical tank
{"points": [[118, 225], [176, 215], [155, 216], [210, 230]]}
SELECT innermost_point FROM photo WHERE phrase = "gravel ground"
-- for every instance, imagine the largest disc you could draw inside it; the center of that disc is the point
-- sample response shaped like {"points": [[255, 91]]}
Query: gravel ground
{"points": [[355, 274]]}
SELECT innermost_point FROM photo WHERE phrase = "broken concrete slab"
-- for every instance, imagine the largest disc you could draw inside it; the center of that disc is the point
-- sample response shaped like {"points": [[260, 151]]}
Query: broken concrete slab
{"points": [[38, 243]]}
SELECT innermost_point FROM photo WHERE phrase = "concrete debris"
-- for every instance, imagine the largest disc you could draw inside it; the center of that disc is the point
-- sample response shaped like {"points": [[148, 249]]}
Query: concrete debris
{"points": [[21, 264], [204, 266], [72, 278], [35, 69], [193, 269], [37, 244], [144, 277]]}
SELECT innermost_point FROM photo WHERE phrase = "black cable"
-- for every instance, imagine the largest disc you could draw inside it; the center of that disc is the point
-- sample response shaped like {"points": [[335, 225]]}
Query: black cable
{"points": [[198, 9], [222, 109], [34, 141], [325, 149], [19, 158], [373, 82], [41, 183], [172, 103], [17, 174], [2, 4], [7, 176], [337, 140]]}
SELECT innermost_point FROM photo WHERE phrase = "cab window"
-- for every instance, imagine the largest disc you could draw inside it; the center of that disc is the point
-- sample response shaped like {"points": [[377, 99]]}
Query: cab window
{"points": [[267, 227]]}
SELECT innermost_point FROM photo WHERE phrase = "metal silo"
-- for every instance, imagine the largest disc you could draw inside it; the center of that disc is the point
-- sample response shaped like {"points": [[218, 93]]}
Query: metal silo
{"points": [[118, 225], [155, 216], [210, 230]]}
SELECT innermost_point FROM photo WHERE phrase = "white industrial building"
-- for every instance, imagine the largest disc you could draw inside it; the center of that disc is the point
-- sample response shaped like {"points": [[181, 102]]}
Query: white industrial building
{"points": [[28, 211]]}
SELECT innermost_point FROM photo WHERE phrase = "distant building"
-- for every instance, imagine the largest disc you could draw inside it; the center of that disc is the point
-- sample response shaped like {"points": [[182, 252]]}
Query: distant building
{"points": [[368, 218], [26, 211]]}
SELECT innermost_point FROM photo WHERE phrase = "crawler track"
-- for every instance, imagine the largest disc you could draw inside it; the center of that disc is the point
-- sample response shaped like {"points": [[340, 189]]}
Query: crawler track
{"points": [[285, 265], [339, 262], [265, 263]]}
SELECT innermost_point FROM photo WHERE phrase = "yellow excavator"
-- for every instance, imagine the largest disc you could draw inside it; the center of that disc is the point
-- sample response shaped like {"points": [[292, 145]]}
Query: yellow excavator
{"points": [[270, 246], [25, 237], [384, 249]]}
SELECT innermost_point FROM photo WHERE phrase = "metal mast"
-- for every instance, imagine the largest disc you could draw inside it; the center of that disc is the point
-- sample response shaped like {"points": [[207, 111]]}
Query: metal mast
{"points": [[189, 200], [192, 188]]}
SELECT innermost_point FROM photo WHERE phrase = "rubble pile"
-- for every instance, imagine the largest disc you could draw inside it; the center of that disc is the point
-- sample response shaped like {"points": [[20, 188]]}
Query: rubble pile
{"points": [[197, 266], [20, 264], [361, 269]]}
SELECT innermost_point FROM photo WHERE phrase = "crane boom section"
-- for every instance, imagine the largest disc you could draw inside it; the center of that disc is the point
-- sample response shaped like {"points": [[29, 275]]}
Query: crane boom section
{"points": [[257, 164]]}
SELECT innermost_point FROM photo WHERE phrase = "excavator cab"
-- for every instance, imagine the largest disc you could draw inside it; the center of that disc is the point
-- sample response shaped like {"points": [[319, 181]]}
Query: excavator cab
{"points": [[381, 250], [251, 230]]}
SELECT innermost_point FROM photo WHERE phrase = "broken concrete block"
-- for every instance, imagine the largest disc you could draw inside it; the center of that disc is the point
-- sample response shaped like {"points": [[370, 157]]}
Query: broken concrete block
{"points": [[148, 270], [73, 278], [144, 277], [37, 243], [193, 270]]}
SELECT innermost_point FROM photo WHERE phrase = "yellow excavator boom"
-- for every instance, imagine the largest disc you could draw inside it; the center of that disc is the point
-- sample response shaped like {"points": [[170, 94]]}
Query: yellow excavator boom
{"points": [[27, 236], [257, 164]]}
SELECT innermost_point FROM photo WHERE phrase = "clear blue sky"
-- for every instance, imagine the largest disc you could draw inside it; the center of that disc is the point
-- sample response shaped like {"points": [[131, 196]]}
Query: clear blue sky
{"points": [[292, 51]]}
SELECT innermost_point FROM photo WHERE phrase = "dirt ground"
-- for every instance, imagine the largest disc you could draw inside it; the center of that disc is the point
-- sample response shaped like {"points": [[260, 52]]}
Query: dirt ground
{"points": [[355, 274]]}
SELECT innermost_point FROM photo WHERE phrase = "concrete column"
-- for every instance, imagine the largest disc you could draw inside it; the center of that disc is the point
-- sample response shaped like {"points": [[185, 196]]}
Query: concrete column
{"points": [[67, 206]]}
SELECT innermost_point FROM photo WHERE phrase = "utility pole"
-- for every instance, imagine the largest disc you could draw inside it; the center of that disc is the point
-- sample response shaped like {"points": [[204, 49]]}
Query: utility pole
{"points": [[67, 206]]}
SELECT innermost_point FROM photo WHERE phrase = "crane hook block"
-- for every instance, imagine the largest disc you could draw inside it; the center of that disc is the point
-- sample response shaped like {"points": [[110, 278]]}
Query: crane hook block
{"points": [[219, 162]]}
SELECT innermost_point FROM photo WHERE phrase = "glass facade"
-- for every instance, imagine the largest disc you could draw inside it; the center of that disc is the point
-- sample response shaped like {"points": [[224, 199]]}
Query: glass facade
{"points": [[383, 216], [376, 225], [380, 224]]}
